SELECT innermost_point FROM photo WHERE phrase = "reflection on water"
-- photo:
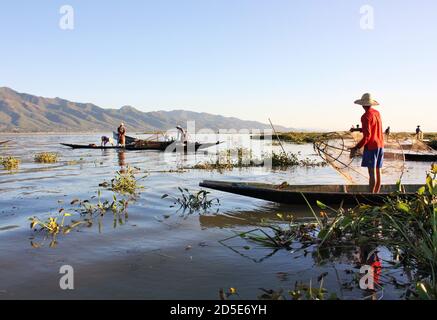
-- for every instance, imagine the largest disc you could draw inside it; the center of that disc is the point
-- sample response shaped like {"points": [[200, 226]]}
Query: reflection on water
{"points": [[118, 259], [122, 160]]}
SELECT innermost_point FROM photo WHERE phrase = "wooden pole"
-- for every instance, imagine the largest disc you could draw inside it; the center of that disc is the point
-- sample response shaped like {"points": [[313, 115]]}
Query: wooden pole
{"points": [[277, 136]]}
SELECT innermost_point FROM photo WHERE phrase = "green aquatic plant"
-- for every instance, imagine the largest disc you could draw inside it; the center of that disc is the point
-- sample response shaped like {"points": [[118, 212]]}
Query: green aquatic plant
{"points": [[9, 163], [51, 225], [244, 159], [405, 226], [285, 160], [293, 137], [229, 159], [116, 206], [196, 201], [125, 182], [282, 159], [301, 291], [89, 211], [46, 157], [281, 235]]}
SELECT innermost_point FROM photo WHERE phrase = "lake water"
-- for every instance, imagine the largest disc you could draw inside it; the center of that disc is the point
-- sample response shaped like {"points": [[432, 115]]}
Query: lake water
{"points": [[158, 253]]}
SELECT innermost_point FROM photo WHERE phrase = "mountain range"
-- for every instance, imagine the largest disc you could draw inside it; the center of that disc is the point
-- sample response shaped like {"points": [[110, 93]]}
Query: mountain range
{"points": [[22, 112]]}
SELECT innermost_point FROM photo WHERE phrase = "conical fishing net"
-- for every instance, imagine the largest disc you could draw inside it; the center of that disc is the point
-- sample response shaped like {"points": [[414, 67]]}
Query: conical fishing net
{"points": [[334, 148]]}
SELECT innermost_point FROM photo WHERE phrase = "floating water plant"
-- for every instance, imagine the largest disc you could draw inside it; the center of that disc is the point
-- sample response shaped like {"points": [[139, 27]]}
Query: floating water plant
{"points": [[51, 225], [282, 236], [196, 201], [125, 182], [46, 157], [406, 227], [283, 159], [9, 163], [244, 159], [116, 206]]}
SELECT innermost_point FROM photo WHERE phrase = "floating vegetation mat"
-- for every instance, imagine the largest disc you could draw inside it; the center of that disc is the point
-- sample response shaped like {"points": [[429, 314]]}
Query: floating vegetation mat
{"points": [[46, 157], [125, 182], [242, 158], [9, 163]]}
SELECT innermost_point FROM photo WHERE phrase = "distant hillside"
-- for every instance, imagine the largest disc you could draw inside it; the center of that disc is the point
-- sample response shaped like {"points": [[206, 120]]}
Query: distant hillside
{"points": [[21, 112]]}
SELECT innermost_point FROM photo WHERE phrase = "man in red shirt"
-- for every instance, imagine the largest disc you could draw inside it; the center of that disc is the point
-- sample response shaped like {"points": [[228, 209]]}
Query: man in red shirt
{"points": [[373, 141]]}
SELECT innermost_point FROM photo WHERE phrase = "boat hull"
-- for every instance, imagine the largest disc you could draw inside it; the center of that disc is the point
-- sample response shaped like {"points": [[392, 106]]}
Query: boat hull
{"points": [[4, 142], [421, 157], [169, 146], [296, 195], [84, 146]]}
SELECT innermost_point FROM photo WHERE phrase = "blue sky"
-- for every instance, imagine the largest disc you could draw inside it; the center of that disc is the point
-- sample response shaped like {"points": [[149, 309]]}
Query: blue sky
{"points": [[301, 63]]}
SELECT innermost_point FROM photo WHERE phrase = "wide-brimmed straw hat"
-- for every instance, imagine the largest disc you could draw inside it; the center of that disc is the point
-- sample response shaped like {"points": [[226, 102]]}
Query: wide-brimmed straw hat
{"points": [[367, 101]]}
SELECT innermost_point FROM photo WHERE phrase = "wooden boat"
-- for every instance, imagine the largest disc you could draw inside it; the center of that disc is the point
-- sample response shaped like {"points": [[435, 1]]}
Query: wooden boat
{"points": [[4, 142], [89, 146], [294, 194], [423, 157], [170, 146], [151, 146]]}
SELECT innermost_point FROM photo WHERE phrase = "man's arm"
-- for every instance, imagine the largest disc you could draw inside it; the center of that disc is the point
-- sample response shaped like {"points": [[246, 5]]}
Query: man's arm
{"points": [[366, 133]]}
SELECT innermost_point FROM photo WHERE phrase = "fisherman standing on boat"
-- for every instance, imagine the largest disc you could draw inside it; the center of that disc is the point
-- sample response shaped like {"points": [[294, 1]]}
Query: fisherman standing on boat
{"points": [[121, 134], [387, 133], [372, 141], [419, 133]]}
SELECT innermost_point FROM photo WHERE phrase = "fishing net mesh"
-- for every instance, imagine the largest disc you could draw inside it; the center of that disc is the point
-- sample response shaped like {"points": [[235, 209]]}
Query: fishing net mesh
{"points": [[335, 147]]}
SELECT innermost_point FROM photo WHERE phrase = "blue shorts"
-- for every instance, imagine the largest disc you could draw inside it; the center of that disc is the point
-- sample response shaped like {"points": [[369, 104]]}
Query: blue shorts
{"points": [[373, 158]]}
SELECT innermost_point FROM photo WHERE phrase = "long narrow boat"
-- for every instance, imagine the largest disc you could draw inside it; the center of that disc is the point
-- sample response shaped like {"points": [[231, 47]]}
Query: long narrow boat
{"points": [[169, 146], [4, 142], [151, 146], [296, 194], [425, 157], [89, 146]]}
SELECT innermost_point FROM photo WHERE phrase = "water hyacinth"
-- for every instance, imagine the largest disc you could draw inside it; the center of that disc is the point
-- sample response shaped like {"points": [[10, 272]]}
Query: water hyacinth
{"points": [[46, 157], [125, 182], [196, 201], [9, 163]]}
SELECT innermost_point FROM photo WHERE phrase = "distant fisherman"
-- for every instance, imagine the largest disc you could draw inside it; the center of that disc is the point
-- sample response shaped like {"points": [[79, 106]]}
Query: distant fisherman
{"points": [[121, 134], [419, 133], [387, 133], [372, 141]]}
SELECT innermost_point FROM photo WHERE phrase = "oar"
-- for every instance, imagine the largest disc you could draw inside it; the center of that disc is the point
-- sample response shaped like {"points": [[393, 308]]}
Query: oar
{"points": [[277, 136]]}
